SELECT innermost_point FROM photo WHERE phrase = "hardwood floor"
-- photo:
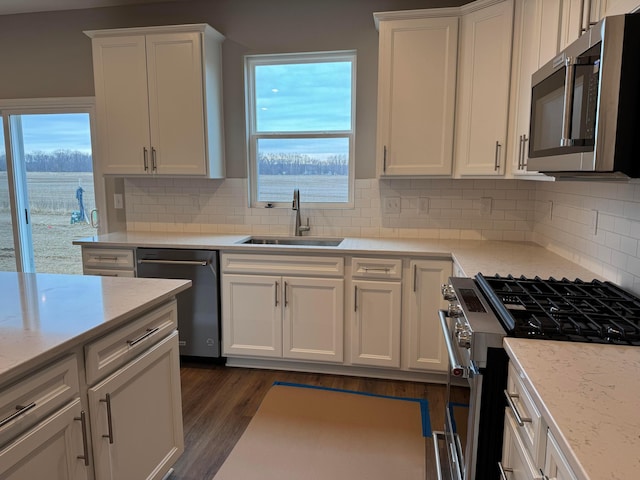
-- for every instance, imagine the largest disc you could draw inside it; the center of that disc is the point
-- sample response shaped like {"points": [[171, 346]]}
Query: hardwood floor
{"points": [[218, 403]]}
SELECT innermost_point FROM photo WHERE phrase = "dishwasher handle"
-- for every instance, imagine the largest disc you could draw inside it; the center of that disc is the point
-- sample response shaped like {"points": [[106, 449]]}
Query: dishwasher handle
{"points": [[201, 263]]}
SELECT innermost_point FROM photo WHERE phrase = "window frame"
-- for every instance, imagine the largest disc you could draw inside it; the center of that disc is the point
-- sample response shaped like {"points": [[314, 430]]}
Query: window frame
{"points": [[252, 137]]}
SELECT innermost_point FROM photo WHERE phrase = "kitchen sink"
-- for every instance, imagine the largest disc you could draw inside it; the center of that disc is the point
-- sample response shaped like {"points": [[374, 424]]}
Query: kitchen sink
{"points": [[312, 242]]}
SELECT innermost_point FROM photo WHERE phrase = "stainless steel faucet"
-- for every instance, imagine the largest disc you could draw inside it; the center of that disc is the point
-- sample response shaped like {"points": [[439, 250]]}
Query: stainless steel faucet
{"points": [[296, 206]]}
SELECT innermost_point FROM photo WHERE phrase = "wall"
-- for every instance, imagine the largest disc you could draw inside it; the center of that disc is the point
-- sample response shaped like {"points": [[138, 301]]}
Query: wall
{"points": [[455, 209], [594, 224]]}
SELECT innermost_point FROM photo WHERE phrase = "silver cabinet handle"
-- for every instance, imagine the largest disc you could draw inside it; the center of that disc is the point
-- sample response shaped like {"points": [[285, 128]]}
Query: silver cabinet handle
{"points": [[202, 263], [415, 277], [519, 418], [503, 471], [525, 139], [286, 301], [145, 158], [148, 333], [277, 285], [384, 159], [85, 447], [372, 269], [497, 159], [102, 257], [355, 298], [153, 159], [21, 410], [107, 400]]}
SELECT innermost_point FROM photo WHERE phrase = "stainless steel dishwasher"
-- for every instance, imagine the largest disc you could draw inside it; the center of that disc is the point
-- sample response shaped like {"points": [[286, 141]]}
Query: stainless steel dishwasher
{"points": [[198, 306]]}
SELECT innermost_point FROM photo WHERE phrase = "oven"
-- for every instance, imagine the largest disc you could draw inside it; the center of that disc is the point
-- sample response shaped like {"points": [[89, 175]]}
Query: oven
{"points": [[482, 311]]}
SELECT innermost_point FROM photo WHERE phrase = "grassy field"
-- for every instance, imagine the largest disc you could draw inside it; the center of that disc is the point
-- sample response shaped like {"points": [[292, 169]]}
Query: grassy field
{"points": [[52, 198]]}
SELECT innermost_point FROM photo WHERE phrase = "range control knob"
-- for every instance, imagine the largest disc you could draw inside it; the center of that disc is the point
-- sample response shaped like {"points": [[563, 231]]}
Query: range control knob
{"points": [[464, 339], [454, 311], [448, 293]]}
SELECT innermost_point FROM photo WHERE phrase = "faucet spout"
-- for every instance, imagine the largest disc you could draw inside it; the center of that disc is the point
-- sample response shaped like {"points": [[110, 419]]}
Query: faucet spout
{"points": [[299, 228]]}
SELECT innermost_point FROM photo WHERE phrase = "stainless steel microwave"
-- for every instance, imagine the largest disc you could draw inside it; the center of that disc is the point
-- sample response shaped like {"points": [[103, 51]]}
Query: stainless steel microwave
{"points": [[585, 105]]}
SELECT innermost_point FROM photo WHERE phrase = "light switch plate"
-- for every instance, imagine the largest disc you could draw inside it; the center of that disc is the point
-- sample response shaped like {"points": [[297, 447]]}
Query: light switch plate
{"points": [[118, 201]]}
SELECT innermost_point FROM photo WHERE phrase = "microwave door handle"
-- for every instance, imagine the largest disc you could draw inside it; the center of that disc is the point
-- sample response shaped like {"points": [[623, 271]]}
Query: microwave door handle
{"points": [[570, 76]]}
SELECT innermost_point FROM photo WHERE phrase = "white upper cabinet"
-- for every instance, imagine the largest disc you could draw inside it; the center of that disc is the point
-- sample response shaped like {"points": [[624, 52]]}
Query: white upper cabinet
{"points": [[535, 42], [159, 100], [484, 67], [617, 7], [416, 95]]}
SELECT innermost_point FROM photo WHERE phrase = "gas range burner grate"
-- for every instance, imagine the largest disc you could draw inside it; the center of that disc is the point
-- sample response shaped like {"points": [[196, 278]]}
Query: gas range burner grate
{"points": [[564, 309]]}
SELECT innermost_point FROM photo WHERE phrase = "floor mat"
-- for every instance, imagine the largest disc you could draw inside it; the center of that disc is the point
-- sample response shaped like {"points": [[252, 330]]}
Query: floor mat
{"points": [[308, 432]]}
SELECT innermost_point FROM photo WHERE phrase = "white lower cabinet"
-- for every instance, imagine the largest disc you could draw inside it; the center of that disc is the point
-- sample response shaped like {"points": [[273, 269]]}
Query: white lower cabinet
{"points": [[136, 416], [283, 316], [375, 311], [53, 449], [516, 461], [423, 341], [529, 450], [556, 466]]}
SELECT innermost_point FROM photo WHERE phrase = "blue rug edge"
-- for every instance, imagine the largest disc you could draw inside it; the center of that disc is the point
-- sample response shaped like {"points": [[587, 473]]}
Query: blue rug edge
{"points": [[424, 404]]}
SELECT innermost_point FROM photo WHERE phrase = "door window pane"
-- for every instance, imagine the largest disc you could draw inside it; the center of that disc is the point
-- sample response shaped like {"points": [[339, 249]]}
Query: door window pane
{"points": [[57, 158]]}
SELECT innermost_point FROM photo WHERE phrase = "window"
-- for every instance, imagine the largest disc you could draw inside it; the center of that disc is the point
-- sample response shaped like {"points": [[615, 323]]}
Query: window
{"points": [[300, 123]]}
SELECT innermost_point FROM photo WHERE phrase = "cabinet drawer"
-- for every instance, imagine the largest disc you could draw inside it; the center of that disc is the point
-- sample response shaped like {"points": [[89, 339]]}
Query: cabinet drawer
{"points": [[109, 273], [110, 352], [107, 258], [376, 268], [531, 430], [515, 457], [283, 265], [37, 396]]}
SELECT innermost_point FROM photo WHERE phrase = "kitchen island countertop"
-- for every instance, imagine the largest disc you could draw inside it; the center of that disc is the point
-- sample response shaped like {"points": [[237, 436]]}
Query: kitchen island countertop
{"points": [[472, 256], [588, 395], [46, 315]]}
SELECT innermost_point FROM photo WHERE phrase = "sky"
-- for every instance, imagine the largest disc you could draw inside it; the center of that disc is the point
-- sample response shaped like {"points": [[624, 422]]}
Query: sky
{"points": [[311, 97], [47, 133]]}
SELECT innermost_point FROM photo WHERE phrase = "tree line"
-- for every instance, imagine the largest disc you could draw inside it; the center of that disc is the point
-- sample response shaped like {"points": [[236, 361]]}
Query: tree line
{"points": [[300, 164], [57, 161]]}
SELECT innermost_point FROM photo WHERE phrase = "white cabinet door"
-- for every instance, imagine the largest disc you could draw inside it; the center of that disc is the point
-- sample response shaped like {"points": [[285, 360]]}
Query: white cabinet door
{"points": [[176, 103], [422, 339], [516, 461], [535, 42], [49, 450], [313, 321], [375, 323], [416, 96], [120, 76], [483, 90], [136, 416], [577, 17], [556, 466], [618, 7], [252, 315]]}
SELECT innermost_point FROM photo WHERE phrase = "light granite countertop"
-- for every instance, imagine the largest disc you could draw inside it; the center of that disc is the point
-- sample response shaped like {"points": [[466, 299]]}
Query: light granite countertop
{"points": [[45, 315], [588, 394], [472, 256]]}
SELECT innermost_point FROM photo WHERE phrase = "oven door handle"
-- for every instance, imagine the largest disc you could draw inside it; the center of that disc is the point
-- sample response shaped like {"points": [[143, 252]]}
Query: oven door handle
{"points": [[457, 369]]}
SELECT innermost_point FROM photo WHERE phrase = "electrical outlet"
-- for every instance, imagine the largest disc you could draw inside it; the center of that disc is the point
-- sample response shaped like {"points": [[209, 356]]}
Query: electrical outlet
{"points": [[391, 205], [486, 205], [423, 205], [118, 201]]}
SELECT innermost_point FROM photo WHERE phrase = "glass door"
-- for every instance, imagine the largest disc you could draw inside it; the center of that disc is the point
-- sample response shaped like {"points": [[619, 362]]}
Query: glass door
{"points": [[51, 171]]}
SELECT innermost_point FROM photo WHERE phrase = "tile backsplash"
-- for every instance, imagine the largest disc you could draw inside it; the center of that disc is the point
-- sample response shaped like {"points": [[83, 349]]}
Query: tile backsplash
{"points": [[594, 224], [458, 209]]}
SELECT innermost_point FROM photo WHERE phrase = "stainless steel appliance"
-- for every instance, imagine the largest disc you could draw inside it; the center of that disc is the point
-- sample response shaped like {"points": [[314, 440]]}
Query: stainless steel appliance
{"points": [[198, 306], [483, 310], [585, 105]]}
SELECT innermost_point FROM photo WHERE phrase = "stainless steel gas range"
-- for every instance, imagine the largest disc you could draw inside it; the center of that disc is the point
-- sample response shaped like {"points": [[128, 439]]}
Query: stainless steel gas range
{"points": [[482, 311]]}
